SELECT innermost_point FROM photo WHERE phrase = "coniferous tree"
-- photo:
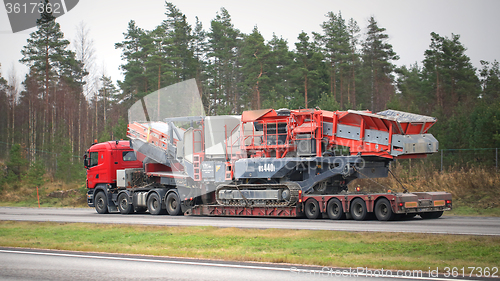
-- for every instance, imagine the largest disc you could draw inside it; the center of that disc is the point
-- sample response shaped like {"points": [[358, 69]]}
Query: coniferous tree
{"points": [[178, 45], [490, 80], [254, 65], [45, 55], [449, 74], [280, 64], [4, 110], [353, 31], [308, 70], [199, 49], [56, 77], [334, 42], [135, 84], [377, 57], [223, 43], [409, 84]]}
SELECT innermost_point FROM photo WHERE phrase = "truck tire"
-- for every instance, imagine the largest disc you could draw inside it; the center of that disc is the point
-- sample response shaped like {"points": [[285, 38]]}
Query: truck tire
{"points": [[358, 209], [173, 204], [383, 210], [431, 215], [123, 204], [101, 203], [334, 209], [312, 209], [154, 205]]}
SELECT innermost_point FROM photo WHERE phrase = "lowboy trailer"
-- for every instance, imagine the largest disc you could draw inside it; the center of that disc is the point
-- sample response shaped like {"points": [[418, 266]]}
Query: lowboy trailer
{"points": [[266, 163]]}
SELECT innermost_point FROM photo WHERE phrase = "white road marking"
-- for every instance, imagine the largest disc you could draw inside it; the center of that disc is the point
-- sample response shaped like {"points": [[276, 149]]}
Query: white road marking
{"points": [[207, 264]]}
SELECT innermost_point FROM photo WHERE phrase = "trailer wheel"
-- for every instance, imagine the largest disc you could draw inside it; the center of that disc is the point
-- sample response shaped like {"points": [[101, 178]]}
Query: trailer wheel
{"points": [[312, 209], [383, 210], [154, 204], [173, 204], [358, 209], [334, 209], [431, 215], [101, 205], [123, 204]]}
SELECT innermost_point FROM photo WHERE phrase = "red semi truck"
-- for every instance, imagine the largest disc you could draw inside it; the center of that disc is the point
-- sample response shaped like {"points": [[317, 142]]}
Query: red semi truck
{"points": [[267, 163]]}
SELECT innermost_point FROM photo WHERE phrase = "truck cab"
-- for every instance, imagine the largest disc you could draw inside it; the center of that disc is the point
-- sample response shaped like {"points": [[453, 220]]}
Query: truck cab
{"points": [[102, 160]]}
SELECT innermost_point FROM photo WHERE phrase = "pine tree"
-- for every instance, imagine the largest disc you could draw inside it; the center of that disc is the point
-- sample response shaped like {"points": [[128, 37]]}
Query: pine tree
{"points": [[135, 84], [308, 70], [280, 64], [223, 47], [377, 57], [353, 31], [334, 43], [449, 74], [4, 109], [177, 45], [56, 76], [410, 87], [254, 65], [490, 80], [45, 55]]}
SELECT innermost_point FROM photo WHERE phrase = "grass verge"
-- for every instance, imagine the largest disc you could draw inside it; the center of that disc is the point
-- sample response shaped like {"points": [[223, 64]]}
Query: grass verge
{"points": [[324, 248]]}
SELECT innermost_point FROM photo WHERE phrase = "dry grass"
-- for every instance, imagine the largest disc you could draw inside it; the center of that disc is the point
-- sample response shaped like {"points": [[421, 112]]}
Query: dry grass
{"points": [[52, 194]]}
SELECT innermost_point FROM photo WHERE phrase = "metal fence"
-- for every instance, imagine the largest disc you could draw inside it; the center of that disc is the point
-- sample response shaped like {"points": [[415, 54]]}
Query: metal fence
{"points": [[457, 159]]}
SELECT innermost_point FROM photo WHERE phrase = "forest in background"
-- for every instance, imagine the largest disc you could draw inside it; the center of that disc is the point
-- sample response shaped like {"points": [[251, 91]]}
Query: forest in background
{"points": [[65, 103]]}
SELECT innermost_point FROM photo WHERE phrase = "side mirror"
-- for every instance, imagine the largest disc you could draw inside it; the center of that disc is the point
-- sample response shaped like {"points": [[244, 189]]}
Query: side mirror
{"points": [[85, 161]]}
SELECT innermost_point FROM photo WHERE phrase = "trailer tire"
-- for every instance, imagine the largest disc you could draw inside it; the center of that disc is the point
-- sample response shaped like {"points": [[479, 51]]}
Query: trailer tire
{"points": [[431, 215], [154, 204], [101, 205], [358, 209], [383, 210], [173, 204], [334, 209], [311, 208], [123, 204]]}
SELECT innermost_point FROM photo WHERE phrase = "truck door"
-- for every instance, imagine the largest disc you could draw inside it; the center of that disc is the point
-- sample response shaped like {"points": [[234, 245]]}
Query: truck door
{"points": [[92, 159], [96, 169]]}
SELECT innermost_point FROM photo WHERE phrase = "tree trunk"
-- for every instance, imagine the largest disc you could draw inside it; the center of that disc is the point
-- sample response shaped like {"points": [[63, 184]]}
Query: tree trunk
{"points": [[305, 90]]}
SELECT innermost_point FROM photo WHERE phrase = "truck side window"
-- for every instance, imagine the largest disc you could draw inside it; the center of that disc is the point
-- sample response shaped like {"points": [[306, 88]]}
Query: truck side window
{"points": [[129, 156], [93, 159]]}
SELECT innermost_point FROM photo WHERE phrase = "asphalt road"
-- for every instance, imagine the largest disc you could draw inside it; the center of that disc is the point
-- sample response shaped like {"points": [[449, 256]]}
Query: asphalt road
{"points": [[443, 225], [28, 264]]}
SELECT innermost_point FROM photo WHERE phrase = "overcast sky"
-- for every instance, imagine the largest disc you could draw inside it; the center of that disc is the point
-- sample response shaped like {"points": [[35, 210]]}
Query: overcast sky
{"points": [[408, 24]]}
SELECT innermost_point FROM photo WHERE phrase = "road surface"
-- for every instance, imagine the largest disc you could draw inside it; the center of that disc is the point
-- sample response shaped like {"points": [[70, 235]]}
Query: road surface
{"points": [[443, 225], [29, 264]]}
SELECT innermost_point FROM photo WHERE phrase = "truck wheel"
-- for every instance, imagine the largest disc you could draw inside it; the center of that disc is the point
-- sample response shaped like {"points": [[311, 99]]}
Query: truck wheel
{"points": [[154, 204], [358, 209], [383, 210], [101, 203], [312, 209], [173, 204], [431, 215], [123, 204], [334, 209]]}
